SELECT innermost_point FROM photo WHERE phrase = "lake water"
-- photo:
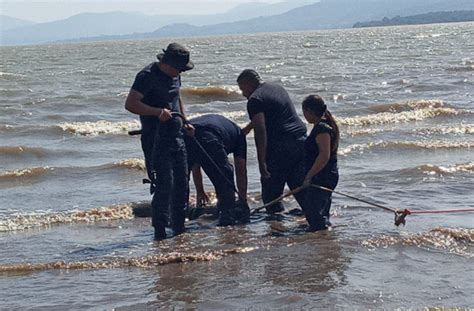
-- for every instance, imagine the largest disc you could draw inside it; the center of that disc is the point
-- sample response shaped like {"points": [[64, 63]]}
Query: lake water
{"points": [[70, 176]]}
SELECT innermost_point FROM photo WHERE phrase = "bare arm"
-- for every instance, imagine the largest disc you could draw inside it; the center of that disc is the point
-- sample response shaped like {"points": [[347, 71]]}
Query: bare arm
{"points": [[201, 196], [324, 145], [247, 129], [241, 176], [135, 105], [260, 132]]}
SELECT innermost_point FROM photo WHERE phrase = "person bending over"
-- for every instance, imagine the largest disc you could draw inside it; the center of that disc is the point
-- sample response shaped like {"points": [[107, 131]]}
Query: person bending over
{"points": [[219, 137]]}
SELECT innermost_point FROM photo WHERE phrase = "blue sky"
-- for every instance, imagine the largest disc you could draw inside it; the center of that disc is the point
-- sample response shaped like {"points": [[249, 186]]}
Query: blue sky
{"points": [[43, 11]]}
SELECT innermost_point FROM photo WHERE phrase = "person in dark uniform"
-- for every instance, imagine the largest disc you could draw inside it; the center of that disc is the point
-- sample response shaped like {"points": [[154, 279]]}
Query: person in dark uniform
{"points": [[219, 137], [321, 161], [279, 137], [154, 96]]}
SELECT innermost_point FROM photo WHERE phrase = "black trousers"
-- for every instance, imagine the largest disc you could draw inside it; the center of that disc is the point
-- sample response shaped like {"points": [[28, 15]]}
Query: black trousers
{"points": [[318, 202], [285, 163], [169, 161], [223, 178]]}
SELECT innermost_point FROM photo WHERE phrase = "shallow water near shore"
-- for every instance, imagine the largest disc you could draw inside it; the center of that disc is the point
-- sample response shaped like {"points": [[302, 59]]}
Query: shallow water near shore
{"points": [[70, 177]]}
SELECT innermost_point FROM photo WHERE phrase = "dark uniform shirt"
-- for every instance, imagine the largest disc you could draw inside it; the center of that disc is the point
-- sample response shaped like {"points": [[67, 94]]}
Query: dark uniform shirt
{"points": [[227, 131], [281, 119], [161, 91], [312, 150]]}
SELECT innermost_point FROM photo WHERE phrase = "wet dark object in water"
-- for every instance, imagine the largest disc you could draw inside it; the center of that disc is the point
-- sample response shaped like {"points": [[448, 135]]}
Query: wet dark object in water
{"points": [[143, 210]]}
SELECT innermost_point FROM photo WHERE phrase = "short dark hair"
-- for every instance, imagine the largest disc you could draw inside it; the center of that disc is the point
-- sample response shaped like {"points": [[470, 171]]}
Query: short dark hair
{"points": [[251, 76]]}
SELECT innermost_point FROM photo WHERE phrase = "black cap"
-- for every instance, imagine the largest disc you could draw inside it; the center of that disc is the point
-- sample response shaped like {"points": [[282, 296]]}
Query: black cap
{"points": [[176, 56]]}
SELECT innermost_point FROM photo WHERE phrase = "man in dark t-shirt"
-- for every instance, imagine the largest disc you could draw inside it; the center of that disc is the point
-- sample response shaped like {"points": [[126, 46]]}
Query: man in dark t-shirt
{"points": [[155, 96], [219, 137], [279, 137]]}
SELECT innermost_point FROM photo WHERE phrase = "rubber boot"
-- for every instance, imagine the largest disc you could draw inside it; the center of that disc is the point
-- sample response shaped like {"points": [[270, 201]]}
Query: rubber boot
{"points": [[226, 217], [160, 233], [242, 212], [275, 208], [177, 222]]}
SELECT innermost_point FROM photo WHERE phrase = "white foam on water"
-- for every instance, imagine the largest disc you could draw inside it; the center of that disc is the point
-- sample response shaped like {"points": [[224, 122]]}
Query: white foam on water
{"points": [[25, 172], [18, 222], [451, 169], [458, 241], [121, 262], [415, 145], [401, 117], [101, 127], [134, 163]]}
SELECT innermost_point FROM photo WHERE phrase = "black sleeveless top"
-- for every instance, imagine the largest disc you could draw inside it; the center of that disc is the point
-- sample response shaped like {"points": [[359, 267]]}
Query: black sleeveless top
{"points": [[312, 151]]}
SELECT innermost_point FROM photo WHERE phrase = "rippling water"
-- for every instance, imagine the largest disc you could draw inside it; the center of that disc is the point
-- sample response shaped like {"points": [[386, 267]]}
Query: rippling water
{"points": [[70, 176]]}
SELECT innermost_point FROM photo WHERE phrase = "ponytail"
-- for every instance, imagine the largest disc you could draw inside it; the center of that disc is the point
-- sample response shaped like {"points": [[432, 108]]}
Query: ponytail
{"points": [[332, 123]]}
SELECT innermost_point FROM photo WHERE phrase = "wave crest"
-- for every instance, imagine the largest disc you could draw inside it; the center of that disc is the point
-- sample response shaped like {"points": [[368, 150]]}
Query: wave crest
{"points": [[138, 262], [212, 93], [401, 117], [101, 127], [134, 163], [459, 129], [452, 169], [456, 241], [26, 172], [38, 220], [408, 106], [414, 145]]}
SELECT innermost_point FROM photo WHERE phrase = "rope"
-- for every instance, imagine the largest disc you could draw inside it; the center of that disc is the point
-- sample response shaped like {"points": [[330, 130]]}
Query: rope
{"points": [[230, 183], [296, 190], [354, 198], [399, 215], [185, 121]]}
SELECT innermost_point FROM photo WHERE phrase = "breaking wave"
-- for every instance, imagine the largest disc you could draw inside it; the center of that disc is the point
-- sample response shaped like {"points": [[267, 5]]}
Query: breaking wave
{"points": [[101, 127], [455, 129], [451, 169], [136, 262], [456, 241], [401, 117], [413, 145], [211, 93], [26, 172], [460, 129], [32, 172], [20, 222], [138, 164], [408, 106]]}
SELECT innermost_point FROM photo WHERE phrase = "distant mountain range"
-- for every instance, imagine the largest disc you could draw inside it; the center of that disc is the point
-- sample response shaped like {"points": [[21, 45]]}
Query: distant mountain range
{"points": [[290, 15], [119, 23], [429, 18], [7, 23]]}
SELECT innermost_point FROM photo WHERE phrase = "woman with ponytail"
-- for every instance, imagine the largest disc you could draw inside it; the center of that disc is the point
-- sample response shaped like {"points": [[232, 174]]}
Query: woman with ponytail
{"points": [[320, 160]]}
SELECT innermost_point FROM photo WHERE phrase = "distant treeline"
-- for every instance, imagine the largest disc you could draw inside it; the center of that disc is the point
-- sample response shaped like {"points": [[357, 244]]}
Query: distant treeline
{"points": [[428, 18]]}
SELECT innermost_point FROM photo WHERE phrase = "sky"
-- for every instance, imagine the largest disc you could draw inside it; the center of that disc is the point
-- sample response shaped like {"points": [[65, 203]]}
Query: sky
{"points": [[45, 11]]}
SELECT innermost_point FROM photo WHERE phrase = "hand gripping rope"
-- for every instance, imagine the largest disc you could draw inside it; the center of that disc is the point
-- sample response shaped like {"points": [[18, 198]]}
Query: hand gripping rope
{"points": [[201, 148]]}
